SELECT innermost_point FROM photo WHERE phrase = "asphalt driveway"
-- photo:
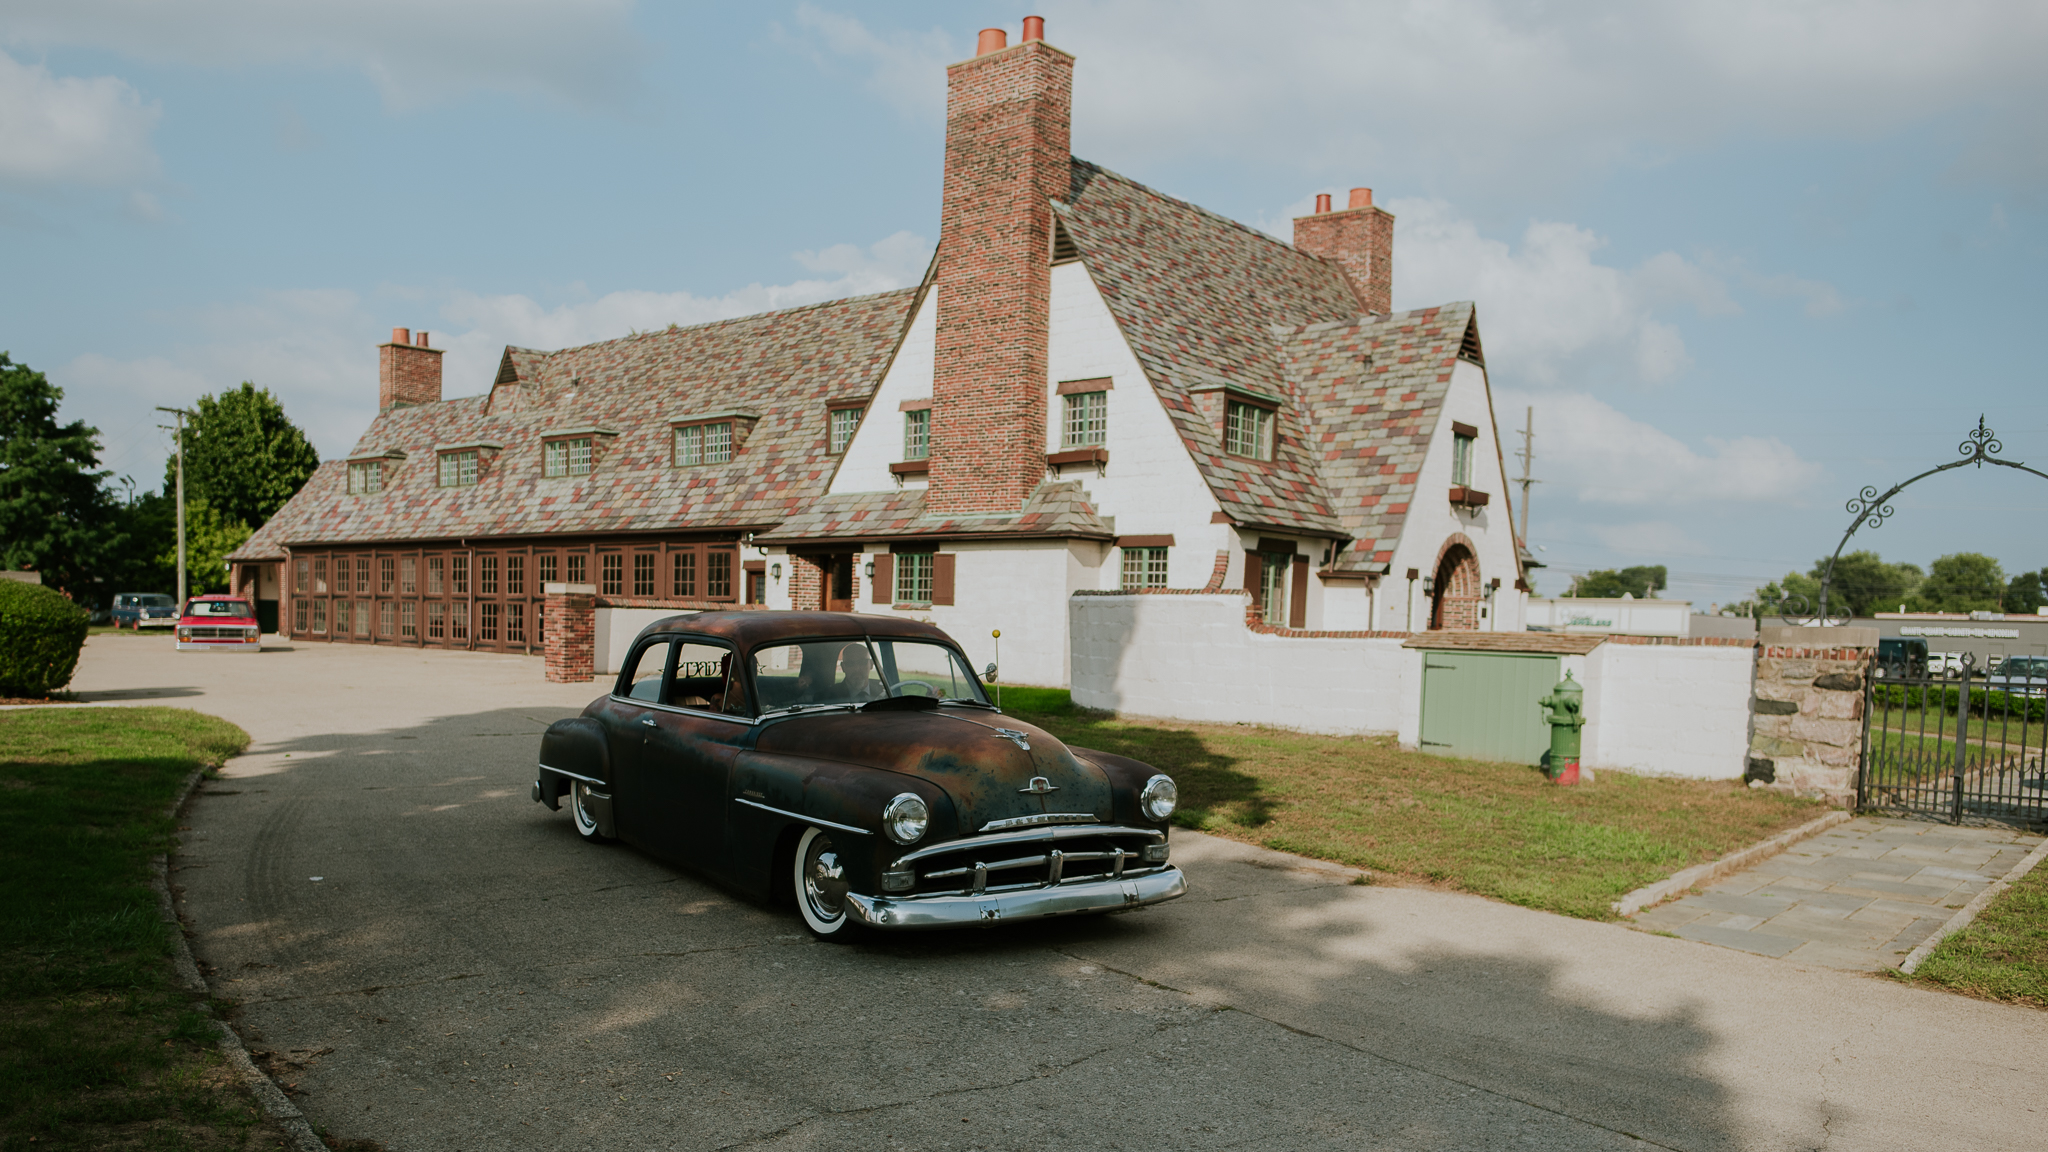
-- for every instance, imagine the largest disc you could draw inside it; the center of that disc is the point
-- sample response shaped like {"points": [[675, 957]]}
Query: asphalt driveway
{"points": [[440, 963]]}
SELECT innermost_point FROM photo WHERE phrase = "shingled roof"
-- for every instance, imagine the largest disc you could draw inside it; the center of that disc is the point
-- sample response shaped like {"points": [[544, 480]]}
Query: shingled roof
{"points": [[1058, 510], [1198, 298], [1373, 389], [781, 366]]}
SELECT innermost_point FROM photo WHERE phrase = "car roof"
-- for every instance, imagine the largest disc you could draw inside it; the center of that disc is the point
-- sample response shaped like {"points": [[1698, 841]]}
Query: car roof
{"points": [[746, 629]]}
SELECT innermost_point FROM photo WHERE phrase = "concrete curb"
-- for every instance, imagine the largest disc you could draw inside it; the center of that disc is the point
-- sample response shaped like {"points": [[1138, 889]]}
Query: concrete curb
{"points": [[1968, 912], [1713, 870], [266, 1091]]}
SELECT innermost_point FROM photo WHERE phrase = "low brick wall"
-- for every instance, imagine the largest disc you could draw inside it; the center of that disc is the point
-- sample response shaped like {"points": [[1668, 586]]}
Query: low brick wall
{"points": [[1806, 723]]}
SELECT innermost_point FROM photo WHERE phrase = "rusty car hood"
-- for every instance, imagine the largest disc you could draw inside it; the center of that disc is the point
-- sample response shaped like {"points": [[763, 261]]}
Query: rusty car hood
{"points": [[970, 753]]}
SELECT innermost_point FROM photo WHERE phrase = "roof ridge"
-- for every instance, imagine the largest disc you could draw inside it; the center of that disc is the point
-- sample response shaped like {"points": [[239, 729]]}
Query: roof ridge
{"points": [[1364, 319], [708, 324], [1189, 204]]}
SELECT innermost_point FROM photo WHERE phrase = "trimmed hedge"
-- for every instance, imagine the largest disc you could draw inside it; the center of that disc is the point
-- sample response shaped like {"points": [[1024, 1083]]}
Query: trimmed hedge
{"points": [[41, 633], [1992, 703]]}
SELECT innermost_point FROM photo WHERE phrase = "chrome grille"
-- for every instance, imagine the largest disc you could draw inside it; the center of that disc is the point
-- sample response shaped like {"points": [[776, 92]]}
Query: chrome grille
{"points": [[214, 632], [1031, 860]]}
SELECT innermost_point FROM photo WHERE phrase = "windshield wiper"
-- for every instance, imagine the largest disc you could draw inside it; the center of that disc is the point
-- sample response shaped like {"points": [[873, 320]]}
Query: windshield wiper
{"points": [[808, 707], [972, 704]]}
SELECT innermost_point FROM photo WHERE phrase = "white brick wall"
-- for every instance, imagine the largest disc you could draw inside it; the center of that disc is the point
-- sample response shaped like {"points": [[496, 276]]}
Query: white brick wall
{"points": [[1667, 710]]}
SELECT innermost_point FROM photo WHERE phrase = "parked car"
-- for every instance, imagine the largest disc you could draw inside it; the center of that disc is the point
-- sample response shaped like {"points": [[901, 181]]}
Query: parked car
{"points": [[144, 610], [854, 765], [1900, 658], [1945, 664], [218, 624], [2025, 675]]}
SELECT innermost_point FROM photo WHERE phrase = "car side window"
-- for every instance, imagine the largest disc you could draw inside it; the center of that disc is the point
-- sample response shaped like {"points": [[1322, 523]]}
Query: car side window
{"points": [[643, 673], [705, 680]]}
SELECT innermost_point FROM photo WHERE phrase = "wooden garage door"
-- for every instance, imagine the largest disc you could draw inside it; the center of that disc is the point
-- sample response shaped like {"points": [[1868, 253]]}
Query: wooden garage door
{"points": [[1482, 705]]}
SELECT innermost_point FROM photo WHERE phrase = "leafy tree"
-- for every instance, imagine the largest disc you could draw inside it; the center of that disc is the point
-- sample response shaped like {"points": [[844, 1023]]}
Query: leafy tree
{"points": [[1961, 582], [55, 515], [1641, 582], [242, 456], [1863, 583], [2026, 591], [209, 538]]}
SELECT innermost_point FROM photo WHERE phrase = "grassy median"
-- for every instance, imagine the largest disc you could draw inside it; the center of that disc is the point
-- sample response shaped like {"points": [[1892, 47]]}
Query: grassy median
{"points": [[2003, 953], [1498, 830], [99, 1046]]}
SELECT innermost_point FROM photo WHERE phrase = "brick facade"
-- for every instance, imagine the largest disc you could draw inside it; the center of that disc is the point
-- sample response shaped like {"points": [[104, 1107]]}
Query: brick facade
{"points": [[571, 633], [1007, 159], [806, 585], [408, 374], [1360, 241]]}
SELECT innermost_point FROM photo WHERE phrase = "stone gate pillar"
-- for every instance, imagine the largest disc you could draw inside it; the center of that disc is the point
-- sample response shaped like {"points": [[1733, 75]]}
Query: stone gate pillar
{"points": [[1806, 727]]}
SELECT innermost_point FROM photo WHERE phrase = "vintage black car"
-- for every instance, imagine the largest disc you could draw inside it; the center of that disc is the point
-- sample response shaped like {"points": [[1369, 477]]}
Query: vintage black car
{"points": [[855, 765]]}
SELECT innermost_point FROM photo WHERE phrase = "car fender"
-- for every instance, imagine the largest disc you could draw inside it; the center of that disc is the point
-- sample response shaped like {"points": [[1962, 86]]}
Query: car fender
{"points": [[1126, 780], [575, 749], [775, 796]]}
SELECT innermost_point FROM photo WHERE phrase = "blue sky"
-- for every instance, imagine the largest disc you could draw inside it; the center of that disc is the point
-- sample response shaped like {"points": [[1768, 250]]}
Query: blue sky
{"points": [[1741, 258]]}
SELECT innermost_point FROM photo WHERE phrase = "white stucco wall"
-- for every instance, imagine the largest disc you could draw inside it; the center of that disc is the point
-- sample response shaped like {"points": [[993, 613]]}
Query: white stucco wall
{"points": [[613, 631], [1432, 518], [1019, 587], [1192, 658], [1668, 710], [878, 442]]}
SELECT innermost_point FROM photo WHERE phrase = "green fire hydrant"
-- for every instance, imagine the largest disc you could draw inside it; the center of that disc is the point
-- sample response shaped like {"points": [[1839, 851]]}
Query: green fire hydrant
{"points": [[1564, 711]]}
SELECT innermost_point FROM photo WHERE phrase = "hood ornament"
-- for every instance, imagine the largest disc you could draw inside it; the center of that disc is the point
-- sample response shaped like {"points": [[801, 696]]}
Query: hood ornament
{"points": [[1039, 786], [1020, 739]]}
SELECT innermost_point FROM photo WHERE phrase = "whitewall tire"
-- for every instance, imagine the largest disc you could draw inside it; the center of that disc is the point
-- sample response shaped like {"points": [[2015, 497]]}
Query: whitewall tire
{"points": [[821, 888], [582, 817]]}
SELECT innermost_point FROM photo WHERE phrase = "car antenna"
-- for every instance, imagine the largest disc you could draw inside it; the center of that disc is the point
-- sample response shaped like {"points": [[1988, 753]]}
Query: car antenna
{"points": [[997, 636]]}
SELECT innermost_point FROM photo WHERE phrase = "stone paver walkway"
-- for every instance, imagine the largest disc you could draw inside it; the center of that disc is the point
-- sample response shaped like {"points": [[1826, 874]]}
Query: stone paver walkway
{"points": [[1858, 896]]}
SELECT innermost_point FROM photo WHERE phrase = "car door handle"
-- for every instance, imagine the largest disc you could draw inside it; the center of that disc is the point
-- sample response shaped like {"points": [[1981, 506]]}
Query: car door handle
{"points": [[649, 721]]}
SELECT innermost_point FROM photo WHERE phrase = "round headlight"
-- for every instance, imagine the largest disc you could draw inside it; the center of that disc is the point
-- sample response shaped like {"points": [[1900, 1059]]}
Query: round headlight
{"points": [[1159, 798], [906, 818]]}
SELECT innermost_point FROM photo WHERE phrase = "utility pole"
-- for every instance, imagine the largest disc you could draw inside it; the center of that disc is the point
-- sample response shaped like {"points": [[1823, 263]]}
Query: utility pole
{"points": [[1528, 457], [179, 434]]}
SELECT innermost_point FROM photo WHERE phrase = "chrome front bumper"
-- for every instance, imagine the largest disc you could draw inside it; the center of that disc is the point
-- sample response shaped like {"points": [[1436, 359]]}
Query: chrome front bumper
{"points": [[1065, 899]]}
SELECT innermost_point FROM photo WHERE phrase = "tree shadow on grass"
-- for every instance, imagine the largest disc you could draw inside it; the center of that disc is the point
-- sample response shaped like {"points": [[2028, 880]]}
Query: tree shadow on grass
{"points": [[1212, 787]]}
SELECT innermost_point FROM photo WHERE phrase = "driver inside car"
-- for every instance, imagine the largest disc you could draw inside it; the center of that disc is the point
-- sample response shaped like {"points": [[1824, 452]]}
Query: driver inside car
{"points": [[857, 667]]}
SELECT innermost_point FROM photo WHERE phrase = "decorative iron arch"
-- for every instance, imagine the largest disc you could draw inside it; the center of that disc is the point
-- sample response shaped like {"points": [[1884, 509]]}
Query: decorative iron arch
{"points": [[1869, 507]]}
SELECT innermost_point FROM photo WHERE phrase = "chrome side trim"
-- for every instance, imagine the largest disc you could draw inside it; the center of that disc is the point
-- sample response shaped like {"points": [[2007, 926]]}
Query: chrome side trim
{"points": [[800, 816], [1038, 818], [1027, 836], [1026, 904], [572, 775]]}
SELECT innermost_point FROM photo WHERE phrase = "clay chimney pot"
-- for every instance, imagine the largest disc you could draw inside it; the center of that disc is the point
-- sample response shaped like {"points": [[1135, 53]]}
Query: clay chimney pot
{"points": [[420, 338], [401, 335], [992, 40], [1034, 28], [1361, 197], [1322, 202]]}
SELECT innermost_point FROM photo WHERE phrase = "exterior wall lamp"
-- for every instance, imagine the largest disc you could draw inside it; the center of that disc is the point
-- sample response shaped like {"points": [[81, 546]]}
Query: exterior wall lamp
{"points": [[775, 570], [869, 570]]}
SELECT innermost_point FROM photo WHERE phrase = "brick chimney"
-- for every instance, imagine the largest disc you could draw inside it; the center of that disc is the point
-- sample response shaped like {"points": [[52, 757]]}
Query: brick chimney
{"points": [[1360, 241], [1008, 156], [408, 372]]}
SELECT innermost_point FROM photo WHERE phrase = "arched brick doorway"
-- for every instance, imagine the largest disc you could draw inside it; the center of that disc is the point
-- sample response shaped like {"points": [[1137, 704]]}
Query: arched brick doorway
{"points": [[1456, 607]]}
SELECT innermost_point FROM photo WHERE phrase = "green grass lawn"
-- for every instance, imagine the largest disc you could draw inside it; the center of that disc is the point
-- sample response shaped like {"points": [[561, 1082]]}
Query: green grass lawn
{"points": [[99, 1047], [2003, 953], [1498, 830]]}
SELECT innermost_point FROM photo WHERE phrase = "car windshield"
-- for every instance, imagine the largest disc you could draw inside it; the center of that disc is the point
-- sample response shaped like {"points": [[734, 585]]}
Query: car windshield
{"points": [[218, 608], [827, 673]]}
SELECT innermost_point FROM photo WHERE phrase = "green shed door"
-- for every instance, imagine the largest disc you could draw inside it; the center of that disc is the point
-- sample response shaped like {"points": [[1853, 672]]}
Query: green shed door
{"points": [[1482, 705]]}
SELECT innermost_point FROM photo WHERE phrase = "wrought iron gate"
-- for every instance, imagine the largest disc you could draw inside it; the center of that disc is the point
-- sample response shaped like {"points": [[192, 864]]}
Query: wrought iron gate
{"points": [[1968, 748]]}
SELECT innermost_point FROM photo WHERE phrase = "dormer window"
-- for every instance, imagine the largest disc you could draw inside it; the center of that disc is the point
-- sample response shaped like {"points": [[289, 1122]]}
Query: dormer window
{"points": [[1248, 430], [704, 444], [366, 478], [568, 457], [459, 469]]}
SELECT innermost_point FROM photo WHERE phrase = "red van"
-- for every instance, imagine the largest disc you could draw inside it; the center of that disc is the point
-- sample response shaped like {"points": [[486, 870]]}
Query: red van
{"points": [[219, 624]]}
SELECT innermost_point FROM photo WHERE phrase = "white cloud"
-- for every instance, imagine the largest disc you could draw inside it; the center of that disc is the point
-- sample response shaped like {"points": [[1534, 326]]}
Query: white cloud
{"points": [[1820, 297], [582, 51], [908, 69], [317, 348], [67, 130], [1598, 455], [1531, 91]]}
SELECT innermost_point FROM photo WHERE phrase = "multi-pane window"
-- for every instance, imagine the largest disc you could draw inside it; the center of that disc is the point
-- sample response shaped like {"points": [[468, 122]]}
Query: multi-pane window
{"points": [[704, 444], [515, 623], [437, 626], [362, 617], [408, 576], [1144, 567], [718, 575], [917, 434], [362, 573], [487, 621], [566, 457], [458, 620], [547, 571], [385, 568], [1461, 460], [487, 575], [579, 568], [515, 575], [685, 574], [458, 469], [320, 616], [301, 573], [341, 618], [408, 621], [366, 478], [458, 575], [1248, 431], [1273, 586], [643, 573], [844, 421], [387, 618], [614, 568], [320, 576], [299, 614], [434, 570], [1087, 423], [913, 578]]}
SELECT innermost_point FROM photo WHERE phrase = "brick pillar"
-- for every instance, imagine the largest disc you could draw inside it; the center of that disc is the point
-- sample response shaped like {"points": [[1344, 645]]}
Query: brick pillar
{"points": [[806, 585], [1359, 240], [1008, 157], [571, 644]]}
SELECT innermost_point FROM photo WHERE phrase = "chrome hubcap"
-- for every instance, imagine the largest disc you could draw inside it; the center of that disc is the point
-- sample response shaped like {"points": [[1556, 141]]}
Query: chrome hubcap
{"points": [[824, 879]]}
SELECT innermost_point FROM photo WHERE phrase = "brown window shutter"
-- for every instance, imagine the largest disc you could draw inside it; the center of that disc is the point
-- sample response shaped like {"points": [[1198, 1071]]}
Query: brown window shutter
{"points": [[942, 578], [885, 578], [1297, 604], [1254, 567]]}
